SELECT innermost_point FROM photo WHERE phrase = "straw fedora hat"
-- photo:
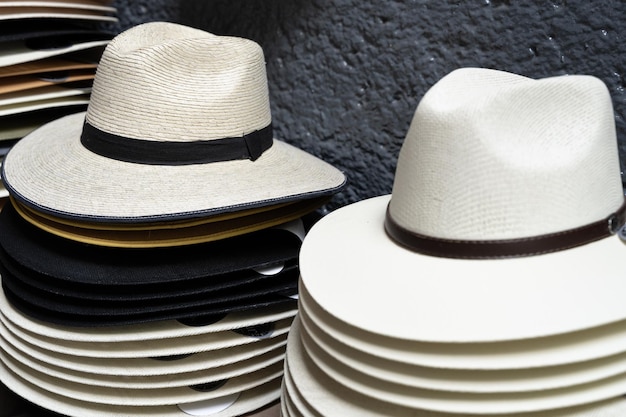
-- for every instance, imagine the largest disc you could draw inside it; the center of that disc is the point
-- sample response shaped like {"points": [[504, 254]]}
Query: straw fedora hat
{"points": [[178, 126], [501, 223]]}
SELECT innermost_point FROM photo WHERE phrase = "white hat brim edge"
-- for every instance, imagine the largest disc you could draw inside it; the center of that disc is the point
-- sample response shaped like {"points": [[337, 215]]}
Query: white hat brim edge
{"points": [[248, 401], [355, 272], [328, 397]]}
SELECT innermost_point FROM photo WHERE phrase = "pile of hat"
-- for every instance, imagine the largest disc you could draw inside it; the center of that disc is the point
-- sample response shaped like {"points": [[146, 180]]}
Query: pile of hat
{"points": [[490, 281], [149, 256], [48, 55]]}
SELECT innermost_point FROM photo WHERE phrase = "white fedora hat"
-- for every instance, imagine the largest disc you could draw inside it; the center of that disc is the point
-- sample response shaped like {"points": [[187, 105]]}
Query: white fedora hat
{"points": [[522, 173], [178, 126]]}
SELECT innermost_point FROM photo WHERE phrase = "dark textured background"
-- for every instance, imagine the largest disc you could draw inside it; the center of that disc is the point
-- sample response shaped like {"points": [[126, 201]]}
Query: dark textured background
{"points": [[346, 76]]}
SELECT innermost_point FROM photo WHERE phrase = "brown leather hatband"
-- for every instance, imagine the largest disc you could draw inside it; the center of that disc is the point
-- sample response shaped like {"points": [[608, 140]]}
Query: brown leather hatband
{"points": [[507, 248]]}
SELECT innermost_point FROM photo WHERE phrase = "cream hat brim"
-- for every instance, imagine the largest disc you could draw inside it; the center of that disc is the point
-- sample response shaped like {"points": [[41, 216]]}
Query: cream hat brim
{"points": [[140, 397], [148, 382], [142, 367], [515, 378], [354, 271], [52, 172], [140, 349], [575, 348], [307, 385], [248, 401], [17, 52]]}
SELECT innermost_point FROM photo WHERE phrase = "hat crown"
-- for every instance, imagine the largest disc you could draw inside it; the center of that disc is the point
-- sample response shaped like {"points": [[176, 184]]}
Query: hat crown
{"points": [[491, 155], [166, 82]]}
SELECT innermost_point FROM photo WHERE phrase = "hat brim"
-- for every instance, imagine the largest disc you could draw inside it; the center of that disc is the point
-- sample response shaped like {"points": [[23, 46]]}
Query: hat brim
{"points": [[247, 401], [17, 126], [146, 366], [14, 30], [12, 13], [604, 343], [209, 312], [71, 4], [247, 221], [142, 397], [168, 329], [18, 52], [217, 301], [52, 172], [22, 91], [178, 379], [56, 102], [184, 345], [432, 299], [168, 290], [326, 396], [68, 263], [468, 380]]}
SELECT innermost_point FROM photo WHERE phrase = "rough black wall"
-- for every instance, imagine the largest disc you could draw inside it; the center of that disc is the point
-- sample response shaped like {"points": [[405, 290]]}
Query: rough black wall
{"points": [[346, 76]]}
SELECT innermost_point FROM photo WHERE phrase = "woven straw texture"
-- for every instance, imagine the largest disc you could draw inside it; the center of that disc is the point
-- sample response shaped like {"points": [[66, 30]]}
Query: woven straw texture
{"points": [[165, 82], [174, 83], [493, 155]]}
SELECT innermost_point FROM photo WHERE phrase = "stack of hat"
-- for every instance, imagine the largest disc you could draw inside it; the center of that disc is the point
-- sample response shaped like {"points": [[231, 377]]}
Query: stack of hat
{"points": [[490, 281], [149, 256], [95, 10], [49, 50]]}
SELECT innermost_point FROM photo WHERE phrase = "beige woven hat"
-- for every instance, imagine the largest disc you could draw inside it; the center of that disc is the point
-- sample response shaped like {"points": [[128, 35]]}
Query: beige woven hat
{"points": [[521, 173], [178, 126]]}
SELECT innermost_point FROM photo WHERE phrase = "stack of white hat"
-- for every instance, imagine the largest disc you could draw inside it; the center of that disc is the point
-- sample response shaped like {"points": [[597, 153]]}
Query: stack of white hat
{"points": [[228, 368], [490, 281]]}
